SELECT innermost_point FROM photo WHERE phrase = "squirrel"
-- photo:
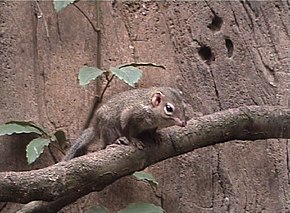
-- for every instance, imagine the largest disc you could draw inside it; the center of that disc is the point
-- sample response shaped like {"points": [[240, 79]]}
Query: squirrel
{"points": [[130, 114]]}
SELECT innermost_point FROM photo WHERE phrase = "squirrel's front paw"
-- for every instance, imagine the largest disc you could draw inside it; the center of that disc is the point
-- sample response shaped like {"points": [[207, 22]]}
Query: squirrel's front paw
{"points": [[125, 141], [122, 141], [157, 138]]}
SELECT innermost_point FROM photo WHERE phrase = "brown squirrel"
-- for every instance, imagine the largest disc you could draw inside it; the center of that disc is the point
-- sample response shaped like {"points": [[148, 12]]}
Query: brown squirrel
{"points": [[127, 115]]}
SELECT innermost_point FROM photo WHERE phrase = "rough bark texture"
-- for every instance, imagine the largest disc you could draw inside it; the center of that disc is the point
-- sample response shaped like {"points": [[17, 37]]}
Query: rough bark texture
{"points": [[96, 171], [220, 54]]}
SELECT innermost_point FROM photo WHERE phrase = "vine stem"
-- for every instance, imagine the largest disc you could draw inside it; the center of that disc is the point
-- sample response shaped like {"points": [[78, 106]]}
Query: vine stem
{"points": [[97, 99], [41, 15]]}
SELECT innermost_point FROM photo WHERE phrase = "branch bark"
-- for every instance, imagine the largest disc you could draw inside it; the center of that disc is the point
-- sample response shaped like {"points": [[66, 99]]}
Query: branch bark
{"points": [[95, 171]]}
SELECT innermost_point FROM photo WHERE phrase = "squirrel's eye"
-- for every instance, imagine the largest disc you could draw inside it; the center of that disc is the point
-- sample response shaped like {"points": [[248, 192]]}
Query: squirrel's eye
{"points": [[169, 108]]}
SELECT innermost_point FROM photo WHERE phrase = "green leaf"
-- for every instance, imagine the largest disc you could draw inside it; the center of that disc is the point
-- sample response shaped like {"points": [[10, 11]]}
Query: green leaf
{"points": [[128, 74], [145, 176], [142, 208], [29, 123], [97, 210], [88, 74], [18, 127], [61, 4], [145, 64], [60, 136], [35, 148]]}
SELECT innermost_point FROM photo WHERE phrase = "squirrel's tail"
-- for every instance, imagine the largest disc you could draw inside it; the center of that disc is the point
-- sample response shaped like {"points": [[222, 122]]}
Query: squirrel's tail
{"points": [[80, 146]]}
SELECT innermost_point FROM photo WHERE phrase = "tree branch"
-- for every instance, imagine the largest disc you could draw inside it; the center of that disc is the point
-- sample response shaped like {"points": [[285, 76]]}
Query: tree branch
{"points": [[94, 171]]}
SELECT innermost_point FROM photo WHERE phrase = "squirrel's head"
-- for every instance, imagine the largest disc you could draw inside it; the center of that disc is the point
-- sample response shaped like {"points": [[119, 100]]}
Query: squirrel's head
{"points": [[169, 105]]}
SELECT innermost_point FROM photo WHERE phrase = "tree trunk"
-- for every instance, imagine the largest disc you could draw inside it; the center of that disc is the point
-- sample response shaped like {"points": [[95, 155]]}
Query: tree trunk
{"points": [[220, 54]]}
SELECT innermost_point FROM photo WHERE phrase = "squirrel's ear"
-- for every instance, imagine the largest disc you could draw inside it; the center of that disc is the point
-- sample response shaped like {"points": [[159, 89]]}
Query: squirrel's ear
{"points": [[156, 98]]}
